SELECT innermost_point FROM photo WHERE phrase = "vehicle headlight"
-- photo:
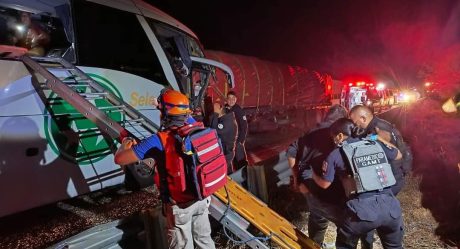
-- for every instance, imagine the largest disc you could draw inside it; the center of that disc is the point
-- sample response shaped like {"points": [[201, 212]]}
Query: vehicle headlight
{"points": [[449, 106]]}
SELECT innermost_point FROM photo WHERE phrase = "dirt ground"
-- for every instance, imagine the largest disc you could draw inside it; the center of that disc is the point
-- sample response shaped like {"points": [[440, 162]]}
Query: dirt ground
{"points": [[430, 200], [431, 197], [419, 224]]}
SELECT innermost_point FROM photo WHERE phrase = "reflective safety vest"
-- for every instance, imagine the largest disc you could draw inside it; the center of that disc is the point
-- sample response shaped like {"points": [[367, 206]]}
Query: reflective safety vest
{"points": [[195, 165], [369, 167], [170, 177]]}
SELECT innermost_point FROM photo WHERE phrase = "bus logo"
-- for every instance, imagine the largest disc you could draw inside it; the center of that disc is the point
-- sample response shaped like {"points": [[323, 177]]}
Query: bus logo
{"points": [[74, 137]]}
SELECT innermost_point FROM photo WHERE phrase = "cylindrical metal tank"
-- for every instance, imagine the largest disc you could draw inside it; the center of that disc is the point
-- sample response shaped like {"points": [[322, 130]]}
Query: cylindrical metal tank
{"points": [[262, 84]]}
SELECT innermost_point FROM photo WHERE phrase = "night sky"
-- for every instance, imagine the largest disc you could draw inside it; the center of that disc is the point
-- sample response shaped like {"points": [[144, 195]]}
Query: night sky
{"points": [[391, 40]]}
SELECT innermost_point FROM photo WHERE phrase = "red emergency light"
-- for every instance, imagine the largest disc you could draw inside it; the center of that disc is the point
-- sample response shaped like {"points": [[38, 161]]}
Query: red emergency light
{"points": [[361, 83]]}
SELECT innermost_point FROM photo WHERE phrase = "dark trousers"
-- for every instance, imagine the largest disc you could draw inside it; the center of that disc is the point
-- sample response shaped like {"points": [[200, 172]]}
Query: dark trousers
{"points": [[241, 158], [318, 220], [395, 189], [320, 215], [229, 158], [381, 212], [317, 226]]}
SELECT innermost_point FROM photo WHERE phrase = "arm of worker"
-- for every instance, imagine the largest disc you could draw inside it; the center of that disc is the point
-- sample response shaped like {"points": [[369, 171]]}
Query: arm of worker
{"points": [[242, 122], [295, 172], [291, 153], [328, 169], [320, 181], [383, 134], [390, 150], [125, 154], [383, 140], [130, 152]]}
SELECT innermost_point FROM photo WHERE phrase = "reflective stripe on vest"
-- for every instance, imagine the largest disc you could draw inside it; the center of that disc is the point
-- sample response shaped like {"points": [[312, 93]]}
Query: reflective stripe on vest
{"points": [[210, 148]]}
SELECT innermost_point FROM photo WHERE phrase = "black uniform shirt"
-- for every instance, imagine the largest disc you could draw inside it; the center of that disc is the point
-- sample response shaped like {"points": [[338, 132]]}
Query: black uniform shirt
{"points": [[310, 151], [240, 116], [383, 125], [400, 168], [226, 129]]}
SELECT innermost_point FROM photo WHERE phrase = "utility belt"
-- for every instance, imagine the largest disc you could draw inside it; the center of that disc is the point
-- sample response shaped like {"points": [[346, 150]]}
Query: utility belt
{"points": [[364, 195]]}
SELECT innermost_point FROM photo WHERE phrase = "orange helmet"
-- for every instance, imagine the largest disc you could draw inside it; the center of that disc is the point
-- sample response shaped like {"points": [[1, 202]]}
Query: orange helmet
{"points": [[174, 103]]}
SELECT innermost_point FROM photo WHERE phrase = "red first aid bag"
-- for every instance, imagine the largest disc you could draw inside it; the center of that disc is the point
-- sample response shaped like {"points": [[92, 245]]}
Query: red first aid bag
{"points": [[204, 161]]}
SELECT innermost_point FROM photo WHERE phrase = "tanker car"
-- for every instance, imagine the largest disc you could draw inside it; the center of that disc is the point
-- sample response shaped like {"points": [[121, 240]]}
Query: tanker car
{"points": [[272, 94]]}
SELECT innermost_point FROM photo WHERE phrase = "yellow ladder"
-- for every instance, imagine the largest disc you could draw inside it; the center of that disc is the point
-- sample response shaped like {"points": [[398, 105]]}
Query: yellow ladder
{"points": [[257, 213]]}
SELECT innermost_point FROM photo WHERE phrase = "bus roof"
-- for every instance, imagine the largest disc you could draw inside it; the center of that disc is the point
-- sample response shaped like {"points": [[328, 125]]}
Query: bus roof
{"points": [[133, 6]]}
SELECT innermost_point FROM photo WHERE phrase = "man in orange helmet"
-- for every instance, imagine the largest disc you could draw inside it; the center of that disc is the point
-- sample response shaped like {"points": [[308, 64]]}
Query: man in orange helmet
{"points": [[187, 217]]}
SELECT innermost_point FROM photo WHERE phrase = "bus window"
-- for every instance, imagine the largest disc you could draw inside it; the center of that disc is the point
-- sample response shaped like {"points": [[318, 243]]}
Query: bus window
{"points": [[178, 47], [40, 32], [114, 39]]}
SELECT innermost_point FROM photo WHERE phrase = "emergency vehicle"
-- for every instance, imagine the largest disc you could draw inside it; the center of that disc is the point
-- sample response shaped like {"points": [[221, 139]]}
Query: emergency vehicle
{"points": [[369, 94], [353, 94]]}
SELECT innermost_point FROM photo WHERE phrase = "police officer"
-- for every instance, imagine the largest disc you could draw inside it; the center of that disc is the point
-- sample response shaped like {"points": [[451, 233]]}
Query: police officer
{"points": [[368, 124], [240, 151], [186, 217], [371, 204], [227, 129]]}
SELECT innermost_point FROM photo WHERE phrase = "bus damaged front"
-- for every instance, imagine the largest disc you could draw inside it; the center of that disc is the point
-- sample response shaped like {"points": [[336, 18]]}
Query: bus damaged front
{"points": [[43, 157]]}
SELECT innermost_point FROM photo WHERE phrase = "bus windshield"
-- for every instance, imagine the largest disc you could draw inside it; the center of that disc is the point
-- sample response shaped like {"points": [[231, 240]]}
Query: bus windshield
{"points": [[179, 47], [40, 32]]}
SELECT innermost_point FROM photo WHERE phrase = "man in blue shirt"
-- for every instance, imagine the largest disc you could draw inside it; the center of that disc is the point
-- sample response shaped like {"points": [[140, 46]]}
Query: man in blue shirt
{"points": [[187, 217], [365, 211]]}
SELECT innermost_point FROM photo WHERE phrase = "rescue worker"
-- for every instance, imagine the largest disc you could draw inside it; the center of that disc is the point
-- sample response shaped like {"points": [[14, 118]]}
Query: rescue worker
{"points": [[186, 217], [31, 36], [364, 119], [227, 129], [307, 153], [367, 123], [371, 203], [240, 151]]}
